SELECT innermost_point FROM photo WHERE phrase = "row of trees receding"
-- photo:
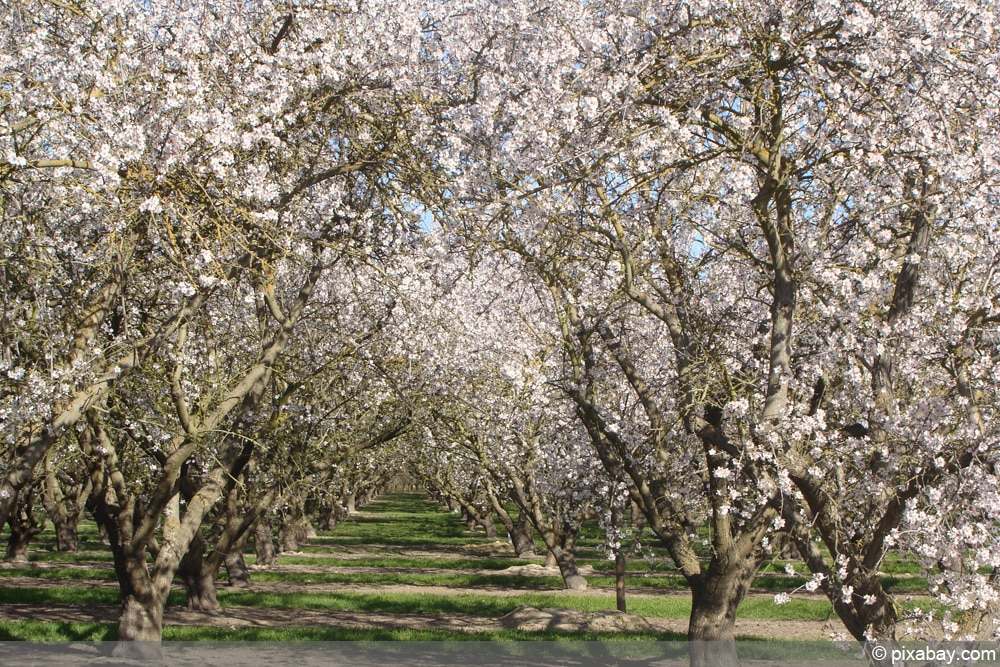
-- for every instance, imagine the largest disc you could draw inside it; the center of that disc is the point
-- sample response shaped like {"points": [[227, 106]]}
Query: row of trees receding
{"points": [[726, 268]]}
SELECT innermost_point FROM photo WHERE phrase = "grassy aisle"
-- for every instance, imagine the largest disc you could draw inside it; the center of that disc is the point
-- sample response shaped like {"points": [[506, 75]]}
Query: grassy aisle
{"points": [[402, 556]]}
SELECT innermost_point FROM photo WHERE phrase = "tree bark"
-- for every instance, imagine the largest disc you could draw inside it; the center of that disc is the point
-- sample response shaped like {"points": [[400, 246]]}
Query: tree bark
{"points": [[715, 597], [64, 508], [570, 573], [199, 577], [236, 568], [67, 535], [522, 537], [24, 526], [263, 542], [488, 524], [17, 543], [143, 593], [566, 562], [293, 531], [327, 518], [620, 562], [141, 619], [520, 533]]}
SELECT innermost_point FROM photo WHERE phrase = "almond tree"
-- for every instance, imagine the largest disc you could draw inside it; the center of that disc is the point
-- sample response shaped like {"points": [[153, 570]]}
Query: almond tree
{"points": [[772, 226], [237, 153]]}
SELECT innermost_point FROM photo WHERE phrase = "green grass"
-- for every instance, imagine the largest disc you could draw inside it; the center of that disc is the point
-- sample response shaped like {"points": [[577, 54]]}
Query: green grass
{"points": [[102, 556], [73, 595], [380, 534], [402, 562], [40, 631], [59, 573], [402, 578], [667, 606], [416, 603], [458, 579]]}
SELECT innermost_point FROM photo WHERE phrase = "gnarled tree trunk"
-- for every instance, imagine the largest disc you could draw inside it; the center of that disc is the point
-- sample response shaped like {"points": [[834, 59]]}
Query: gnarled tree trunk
{"points": [[263, 542], [568, 569], [236, 568], [199, 577], [64, 506], [715, 597], [24, 526]]}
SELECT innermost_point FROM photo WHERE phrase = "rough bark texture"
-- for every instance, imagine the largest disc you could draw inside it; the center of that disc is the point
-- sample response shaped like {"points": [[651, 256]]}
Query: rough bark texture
{"points": [[327, 517], [199, 577], [568, 569], [620, 562], [520, 533], [489, 525], [64, 507], [522, 537], [141, 619], [263, 541], [294, 532], [17, 543], [236, 569], [715, 597], [24, 526], [67, 536]]}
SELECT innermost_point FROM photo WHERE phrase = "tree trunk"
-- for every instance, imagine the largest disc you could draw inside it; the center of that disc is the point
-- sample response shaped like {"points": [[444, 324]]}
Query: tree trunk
{"points": [[59, 511], [715, 597], [568, 569], [263, 539], [17, 543], [24, 526], [237, 573], [620, 562], [67, 537], [326, 519], [102, 533], [143, 592], [489, 525], [141, 619], [521, 535], [140, 628], [294, 531], [350, 502], [236, 569], [198, 577], [64, 509]]}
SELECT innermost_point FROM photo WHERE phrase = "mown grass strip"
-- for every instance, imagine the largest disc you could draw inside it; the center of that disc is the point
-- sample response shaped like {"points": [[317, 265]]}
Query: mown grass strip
{"points": [[404, 562], [416, 579], [457, 580], [46, 631], [89, 556], [58, 573], [676, 607], [43, 631], [74, 595]]}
